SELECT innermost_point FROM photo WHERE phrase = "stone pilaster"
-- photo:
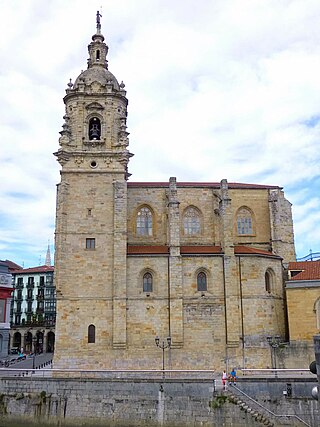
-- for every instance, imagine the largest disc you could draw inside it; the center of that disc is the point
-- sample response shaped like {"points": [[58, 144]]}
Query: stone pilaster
{"points": [[231, 280], [175, 268], [119, 265], [282, 237]]}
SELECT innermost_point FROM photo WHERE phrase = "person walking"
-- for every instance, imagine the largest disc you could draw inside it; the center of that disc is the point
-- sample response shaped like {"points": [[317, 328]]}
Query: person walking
{"points": [[224, 380]]}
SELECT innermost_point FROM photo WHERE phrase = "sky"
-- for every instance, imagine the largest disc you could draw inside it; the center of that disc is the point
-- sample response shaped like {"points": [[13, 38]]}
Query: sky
{"points": [[217, 89]]}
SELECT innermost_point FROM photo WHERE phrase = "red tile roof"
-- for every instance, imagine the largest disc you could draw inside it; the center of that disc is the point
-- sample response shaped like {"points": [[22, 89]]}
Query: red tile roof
{"points": [[40, 269], [147, 250], [12, 265], [309, 270], [195, 249], [231, 185], [198, 249], [249, 250]]}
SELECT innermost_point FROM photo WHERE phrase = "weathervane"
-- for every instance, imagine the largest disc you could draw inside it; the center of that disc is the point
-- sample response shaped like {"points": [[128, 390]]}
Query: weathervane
{"points": [[98, 21]]}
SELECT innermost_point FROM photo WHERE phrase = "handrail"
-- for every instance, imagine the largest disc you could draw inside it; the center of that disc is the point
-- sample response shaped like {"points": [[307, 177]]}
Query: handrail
{"points": [[268, 410], [170, 374], [115, 370]]}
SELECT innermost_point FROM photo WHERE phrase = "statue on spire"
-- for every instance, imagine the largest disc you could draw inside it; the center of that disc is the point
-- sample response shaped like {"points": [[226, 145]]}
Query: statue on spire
{"points": [[98, 21]]}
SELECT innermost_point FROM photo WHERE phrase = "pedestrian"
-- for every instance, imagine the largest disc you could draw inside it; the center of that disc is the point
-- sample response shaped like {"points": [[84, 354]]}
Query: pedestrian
{"points": [[224, 379], [233, 376]]}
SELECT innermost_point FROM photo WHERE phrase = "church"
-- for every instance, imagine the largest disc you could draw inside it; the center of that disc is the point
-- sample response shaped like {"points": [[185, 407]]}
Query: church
{"points": [[197, 267]]}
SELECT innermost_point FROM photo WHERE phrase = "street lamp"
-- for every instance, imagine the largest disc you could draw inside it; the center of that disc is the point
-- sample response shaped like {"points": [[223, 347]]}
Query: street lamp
{"points": [[163, 346], [274, 342], [34, 351]]}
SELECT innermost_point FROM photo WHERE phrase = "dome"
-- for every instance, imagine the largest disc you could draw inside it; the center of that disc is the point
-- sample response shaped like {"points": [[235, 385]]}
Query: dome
{"points": [[98, 74]]}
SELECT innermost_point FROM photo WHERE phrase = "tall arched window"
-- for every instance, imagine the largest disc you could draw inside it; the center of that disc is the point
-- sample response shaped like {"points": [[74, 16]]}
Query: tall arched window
{"points": [[91, 334], [147, 282], [201, 281], [94, 129], [191, 221], [268, 280], [144, 222], [244, 221]]}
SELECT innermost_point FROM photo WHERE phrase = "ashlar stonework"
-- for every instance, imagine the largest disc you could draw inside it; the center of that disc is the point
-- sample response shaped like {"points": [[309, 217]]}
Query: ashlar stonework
{"points": [[199, 262]]}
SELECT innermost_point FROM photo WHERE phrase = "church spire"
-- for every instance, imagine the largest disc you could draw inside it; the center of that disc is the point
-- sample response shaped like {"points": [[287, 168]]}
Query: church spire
{"points": [[48, 257], [98, 50]]}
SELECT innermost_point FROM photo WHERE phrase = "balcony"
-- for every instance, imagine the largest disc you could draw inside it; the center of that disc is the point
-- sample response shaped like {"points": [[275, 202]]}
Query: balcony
{"points": [[30, 285], [19, 298]]}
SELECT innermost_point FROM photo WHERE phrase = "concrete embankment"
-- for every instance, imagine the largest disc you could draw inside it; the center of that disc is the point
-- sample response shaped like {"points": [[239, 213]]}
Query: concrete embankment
{"points": [[119, 402]]}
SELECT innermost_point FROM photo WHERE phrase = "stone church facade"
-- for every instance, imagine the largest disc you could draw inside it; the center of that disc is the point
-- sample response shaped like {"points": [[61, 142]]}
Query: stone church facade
{"points": [[201, 263]]}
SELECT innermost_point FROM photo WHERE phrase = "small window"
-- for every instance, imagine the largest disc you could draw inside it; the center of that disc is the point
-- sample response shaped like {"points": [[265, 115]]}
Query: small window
{"points": [[202, 282], [90, 243], [147, 282], [191, 222], [244, 222], [98, 55], [91, 334], [144, 222]]}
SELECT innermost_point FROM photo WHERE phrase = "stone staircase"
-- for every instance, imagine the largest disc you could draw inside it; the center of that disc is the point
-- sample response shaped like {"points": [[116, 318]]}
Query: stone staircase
{"points": [[244, 406]]}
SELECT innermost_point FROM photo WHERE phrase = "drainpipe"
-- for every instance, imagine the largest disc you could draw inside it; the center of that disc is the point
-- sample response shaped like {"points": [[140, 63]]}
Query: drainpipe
{"points": [[169, 309], [241, 310], [225, 313]]}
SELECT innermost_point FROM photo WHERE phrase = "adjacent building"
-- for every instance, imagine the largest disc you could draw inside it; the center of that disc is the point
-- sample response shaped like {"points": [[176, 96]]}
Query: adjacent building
{"points": [[33, 310], [303, 301], [138, 262], [6, 289]]}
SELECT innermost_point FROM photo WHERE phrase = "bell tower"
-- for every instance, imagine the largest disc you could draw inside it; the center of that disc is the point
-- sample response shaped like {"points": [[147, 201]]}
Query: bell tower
{"points": [[91, 215]]}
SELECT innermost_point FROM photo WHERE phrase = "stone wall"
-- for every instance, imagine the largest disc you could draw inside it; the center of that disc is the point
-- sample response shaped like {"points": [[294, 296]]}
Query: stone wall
{"points": [[147, 402]]}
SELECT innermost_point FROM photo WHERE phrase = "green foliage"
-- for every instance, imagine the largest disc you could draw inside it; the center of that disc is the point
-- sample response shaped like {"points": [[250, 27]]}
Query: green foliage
{"points": [[218, 401]]}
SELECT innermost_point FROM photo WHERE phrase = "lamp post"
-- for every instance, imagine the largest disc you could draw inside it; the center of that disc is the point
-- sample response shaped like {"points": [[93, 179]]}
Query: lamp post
{"points": [[274, 342], [163, 346], [34, 352]]}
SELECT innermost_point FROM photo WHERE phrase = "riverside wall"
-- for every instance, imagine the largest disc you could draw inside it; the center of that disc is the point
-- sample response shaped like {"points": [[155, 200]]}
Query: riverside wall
{"points": [[149, 402]]}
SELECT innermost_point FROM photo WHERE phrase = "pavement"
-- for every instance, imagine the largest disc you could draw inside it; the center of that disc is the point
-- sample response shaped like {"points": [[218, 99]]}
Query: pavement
{"points": [[33, 361]]}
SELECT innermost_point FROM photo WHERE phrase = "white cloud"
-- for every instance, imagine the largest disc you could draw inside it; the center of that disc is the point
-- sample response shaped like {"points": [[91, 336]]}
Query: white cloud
{"points": [[226, 89]]}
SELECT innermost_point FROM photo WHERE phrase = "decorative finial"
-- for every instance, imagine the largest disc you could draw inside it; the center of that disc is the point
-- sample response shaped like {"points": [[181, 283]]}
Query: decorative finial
{"points": [[70, 84], [98, 21]]}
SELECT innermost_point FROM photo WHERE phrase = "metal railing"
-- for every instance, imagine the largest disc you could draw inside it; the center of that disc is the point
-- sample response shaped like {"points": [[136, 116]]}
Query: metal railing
{"points": [[268, 410], [145, 374], [276, 373]]}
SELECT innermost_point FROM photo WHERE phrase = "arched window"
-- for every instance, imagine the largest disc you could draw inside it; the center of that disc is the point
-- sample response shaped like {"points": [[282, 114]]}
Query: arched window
{"points": [[244, 222], [94, 129], [201, 281], [144, 222], [91, 334], [147, 282], [98, 55], [268, 281], [191, 221]]}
